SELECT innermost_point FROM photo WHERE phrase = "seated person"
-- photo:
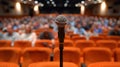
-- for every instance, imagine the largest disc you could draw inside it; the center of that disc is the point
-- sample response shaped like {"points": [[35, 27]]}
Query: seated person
{"points": [[28, 35], [10, 34], [115, 31], [46, 34], [79, 30], [1, 34]]}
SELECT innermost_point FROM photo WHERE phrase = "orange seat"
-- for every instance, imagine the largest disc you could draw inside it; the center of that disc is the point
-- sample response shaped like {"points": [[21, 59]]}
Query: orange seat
{"points": [[105, 64], [117, 54], [67, 43], [103, 34], [70, 54], [36, 54], [72, 35], [74, 38], [118, 44], [42, 43], [111, 44], [66, 37], [37, 32], [69, 33], [52, 64], [5, 43], [10, 54], [22, 44], [116, 38], [96, 38], [8, 64], [96, 54], [81, 44]]}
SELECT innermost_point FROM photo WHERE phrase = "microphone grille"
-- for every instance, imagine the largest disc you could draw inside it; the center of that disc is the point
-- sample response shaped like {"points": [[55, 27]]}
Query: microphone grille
{"points": [[61, 19]]}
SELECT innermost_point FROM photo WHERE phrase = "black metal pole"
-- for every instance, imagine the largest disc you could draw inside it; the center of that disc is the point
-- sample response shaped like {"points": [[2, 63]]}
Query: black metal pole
{"points": [[61, 35], [61, 55]]}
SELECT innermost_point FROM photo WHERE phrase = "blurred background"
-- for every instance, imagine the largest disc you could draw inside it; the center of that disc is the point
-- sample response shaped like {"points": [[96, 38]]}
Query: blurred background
{"points": [[92, 26], [82, 7]]}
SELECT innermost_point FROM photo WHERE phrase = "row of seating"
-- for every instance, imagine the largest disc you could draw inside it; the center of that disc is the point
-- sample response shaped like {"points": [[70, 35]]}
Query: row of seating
{"points": [[95, 38], [65, 64], [70, 54], [72, 36], [81, 44], [105, 64]]}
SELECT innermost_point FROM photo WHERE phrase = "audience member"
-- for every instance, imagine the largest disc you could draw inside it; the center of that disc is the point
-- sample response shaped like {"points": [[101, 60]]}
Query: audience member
{"points": [[46, 34], [28, 35], [10, 34], [115, 31], [1, 34], [79, 30], [96, 29]]}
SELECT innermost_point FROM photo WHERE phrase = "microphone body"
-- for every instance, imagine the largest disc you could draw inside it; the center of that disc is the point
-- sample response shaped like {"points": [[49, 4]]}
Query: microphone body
{"points": [[61, 34], [61, 22]]}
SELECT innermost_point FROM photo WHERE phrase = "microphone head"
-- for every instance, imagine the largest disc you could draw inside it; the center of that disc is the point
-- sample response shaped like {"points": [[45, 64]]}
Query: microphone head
{"points": [[61, 20]]}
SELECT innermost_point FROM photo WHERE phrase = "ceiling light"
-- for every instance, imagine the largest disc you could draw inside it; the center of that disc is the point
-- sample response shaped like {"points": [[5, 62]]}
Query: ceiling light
{"points": [[82, 2], [48, 2], [100, 1], [65, 5], [24, 2], [53, 2], [36, 2], [40, 4], [30, 0], [54, 5], [86, 4], [76, 5], [67, 1]]}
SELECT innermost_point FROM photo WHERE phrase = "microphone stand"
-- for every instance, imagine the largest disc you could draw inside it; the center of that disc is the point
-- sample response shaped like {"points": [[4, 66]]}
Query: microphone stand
{"points": [[61, 35]]}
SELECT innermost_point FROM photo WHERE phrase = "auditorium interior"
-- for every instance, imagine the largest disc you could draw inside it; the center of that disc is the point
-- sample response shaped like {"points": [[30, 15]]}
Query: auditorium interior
{"points": [[59, 33]]}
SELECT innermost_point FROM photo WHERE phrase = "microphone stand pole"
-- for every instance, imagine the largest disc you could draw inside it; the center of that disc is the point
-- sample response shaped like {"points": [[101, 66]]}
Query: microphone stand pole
{"points": [[61, 35]]}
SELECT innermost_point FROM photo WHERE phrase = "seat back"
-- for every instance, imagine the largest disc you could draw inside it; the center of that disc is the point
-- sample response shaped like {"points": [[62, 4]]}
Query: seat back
{"points": [[96, 38], [8, 64], [74, 38], [5, 43], [70, 54], [116, 38], [52, 64], [96, 54], [111, 44], [36, 54], [117, 54], [10, 54], [42, 43], [67, 43], [22, 44], [118, 44], [105, 64], [81, 44]]}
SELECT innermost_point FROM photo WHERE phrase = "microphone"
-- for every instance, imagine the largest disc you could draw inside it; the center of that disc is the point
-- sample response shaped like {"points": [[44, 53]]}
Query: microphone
{"points": [[61, 22]]}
